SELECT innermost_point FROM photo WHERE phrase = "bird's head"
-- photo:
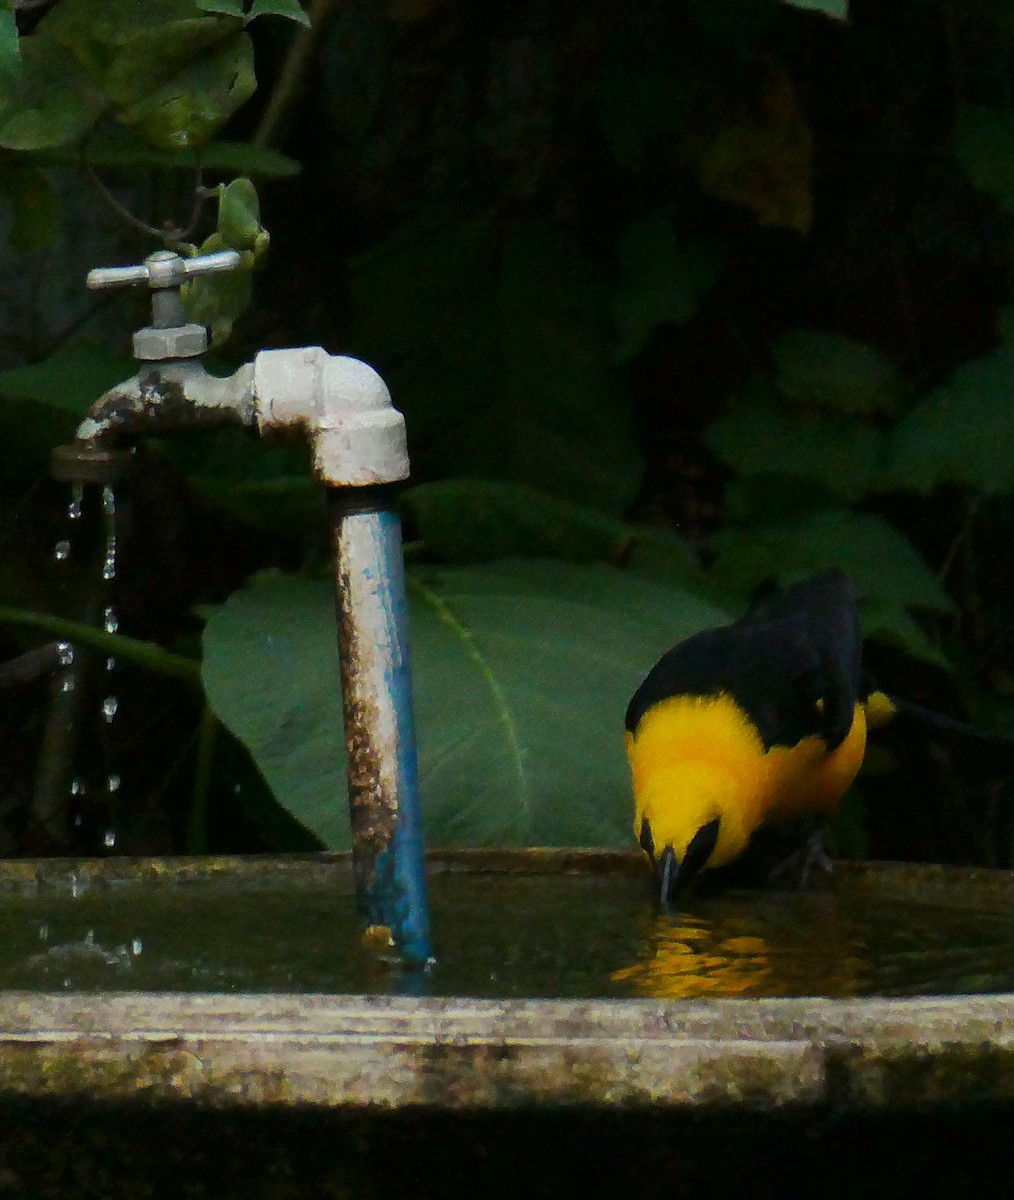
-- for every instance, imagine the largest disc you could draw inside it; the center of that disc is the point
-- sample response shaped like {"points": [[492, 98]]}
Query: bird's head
{"points": [[687, 821]]}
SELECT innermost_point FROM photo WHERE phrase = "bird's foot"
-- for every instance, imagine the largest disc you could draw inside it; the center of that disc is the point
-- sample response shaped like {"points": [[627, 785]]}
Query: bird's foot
{"points": [[802, 863]]}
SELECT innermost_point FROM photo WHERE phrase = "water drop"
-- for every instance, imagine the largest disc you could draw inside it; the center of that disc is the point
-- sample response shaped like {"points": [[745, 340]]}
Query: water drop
{"points": [[109, 839], [113, 783], [109, 514], [110, 621], [43, 933], [77, 787], [109, 707], [61, 551], [136, 947], [65, 654], [74, 507], [66, 685], [89, 938], [110, 663]]}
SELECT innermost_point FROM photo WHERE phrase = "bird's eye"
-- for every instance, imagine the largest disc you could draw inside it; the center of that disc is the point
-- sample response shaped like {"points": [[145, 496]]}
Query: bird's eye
{"points": [[647, 843]]}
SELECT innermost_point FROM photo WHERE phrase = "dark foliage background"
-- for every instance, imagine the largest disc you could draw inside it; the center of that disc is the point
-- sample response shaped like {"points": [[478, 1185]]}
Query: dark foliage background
{"points": [[676, 299]]}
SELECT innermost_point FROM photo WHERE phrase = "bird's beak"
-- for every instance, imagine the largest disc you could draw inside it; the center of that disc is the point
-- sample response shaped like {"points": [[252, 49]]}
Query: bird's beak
{"points": [[668, 872], [674, 873]]}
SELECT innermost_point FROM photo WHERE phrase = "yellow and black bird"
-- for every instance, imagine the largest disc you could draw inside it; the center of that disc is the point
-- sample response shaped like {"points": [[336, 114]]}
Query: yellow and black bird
{"points": [[753, 723]]}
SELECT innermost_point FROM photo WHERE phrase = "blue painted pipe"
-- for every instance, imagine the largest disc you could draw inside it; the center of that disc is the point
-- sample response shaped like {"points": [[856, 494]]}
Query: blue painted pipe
{"points": [[383, 776]]}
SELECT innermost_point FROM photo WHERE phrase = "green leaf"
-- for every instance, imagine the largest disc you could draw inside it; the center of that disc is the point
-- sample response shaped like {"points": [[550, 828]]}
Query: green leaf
{"points": [[46, 103], [217, 301], [239, 214], [93, 35], [69, 380], [292, 10], [837, 9], [832, 373], [984, 146], [227, 8], [246, 159], [522, 673], [114, 146], [143, 654], [10, 49], [884, 564], [961, 432], [35, 217], [478, 520], [893, 626], [662, 282], [177, 84], [760, 437]]}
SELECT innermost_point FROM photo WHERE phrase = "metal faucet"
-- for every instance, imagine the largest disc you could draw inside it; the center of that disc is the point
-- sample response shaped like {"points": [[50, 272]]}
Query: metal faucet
{"points": [[359, 449]]}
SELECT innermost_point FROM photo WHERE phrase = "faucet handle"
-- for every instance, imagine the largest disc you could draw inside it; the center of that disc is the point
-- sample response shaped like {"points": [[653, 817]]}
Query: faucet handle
{"points": [[163, 269], [169, 335]]}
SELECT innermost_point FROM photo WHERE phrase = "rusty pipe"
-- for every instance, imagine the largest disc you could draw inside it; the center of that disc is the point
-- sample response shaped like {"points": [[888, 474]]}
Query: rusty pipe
{"points": [[372, 619]]}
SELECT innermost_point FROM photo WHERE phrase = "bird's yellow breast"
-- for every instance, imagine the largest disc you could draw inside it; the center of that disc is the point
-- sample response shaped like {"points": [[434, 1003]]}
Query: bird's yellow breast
{"points": [[806, 779], [687, 743]]}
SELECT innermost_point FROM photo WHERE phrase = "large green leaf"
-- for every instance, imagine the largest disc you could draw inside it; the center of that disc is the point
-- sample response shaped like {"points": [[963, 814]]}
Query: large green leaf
{"points": [[10, 51], [893, 626], [41, 404], [761, 437], [833, 373], [838, 9], [69, 380], [171, 74], [477, 520], [962, 432], [114, 146], [522, 673], [890, 575], [886, 566], [45, 102], [178, 84]]}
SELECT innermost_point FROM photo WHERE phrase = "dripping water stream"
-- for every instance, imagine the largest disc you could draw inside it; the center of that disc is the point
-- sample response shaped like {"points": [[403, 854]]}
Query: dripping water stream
{"points": [[110, 700], [76, 784]]}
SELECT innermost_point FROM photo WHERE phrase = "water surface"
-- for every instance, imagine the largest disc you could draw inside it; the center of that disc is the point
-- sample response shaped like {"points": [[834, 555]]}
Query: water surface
{"points": [[500, 935]]}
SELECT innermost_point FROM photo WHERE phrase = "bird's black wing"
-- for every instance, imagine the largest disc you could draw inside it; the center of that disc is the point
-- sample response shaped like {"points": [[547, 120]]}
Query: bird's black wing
{"points": [[823, 609], [770, 669]]}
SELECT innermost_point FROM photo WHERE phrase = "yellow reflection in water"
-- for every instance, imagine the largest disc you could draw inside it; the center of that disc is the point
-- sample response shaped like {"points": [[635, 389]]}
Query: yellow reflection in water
{"points": [[685, 955]]}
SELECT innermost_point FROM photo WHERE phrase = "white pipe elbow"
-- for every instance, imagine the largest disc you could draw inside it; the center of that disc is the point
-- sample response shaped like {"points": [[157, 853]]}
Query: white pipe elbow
{"points": [[357, 434]]}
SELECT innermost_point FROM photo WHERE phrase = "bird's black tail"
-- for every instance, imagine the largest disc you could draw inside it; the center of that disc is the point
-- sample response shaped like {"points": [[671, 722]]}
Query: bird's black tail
{"points": [[882, 708]]}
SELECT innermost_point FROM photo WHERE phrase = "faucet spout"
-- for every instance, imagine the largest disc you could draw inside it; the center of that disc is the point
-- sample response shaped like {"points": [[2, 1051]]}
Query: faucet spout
{"points": [[171, 396]]}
